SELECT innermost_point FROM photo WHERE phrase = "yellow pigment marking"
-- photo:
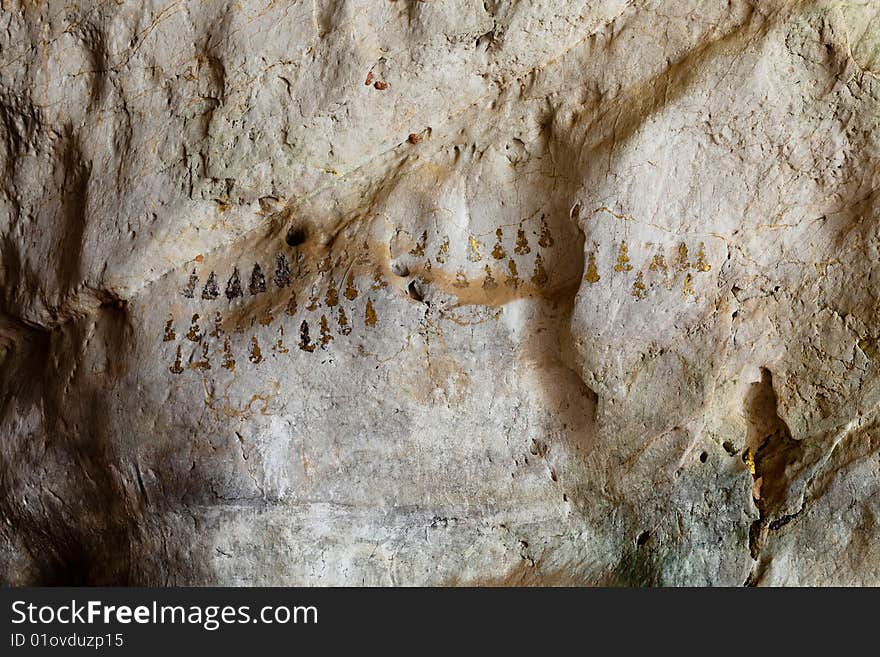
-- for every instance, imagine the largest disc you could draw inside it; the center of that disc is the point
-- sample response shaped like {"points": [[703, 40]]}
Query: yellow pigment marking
{"points": [[443, 251], [658, 263], [592, 276], [688, 287], [750, 462], [623, 259], [702, 265], [638, 289], [474, 246], [681, 262]]}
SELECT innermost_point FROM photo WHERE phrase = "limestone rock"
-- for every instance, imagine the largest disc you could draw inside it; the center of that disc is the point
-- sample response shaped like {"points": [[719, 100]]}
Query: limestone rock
{"points": [[441, 292]]}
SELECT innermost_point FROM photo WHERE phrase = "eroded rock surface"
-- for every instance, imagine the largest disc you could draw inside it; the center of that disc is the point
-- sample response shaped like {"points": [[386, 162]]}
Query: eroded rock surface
{"points": [[440, 292]]}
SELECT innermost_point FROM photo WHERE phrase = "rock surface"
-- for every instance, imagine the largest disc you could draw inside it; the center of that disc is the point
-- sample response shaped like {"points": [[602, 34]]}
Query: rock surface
{"points": [[440, 292]]}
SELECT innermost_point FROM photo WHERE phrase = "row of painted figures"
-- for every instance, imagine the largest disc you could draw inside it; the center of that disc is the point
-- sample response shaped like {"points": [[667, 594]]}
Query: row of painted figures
{"points": [[233, 290]]}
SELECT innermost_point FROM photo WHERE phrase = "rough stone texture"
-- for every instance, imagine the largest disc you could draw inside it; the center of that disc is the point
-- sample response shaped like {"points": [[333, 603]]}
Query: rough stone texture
{"points": [[440, 292]]}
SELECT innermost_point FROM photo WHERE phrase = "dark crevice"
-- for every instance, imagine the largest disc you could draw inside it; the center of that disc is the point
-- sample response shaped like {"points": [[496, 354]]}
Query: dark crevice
{"points": [[770, 454]]}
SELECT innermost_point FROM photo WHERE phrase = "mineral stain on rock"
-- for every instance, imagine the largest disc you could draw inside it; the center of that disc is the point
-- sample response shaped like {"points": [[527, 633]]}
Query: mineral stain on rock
{"points": [[256, 354]]}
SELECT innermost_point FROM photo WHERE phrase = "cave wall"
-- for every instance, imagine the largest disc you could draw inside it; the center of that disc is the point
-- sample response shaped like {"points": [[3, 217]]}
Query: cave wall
{"points": [[440, 292]]}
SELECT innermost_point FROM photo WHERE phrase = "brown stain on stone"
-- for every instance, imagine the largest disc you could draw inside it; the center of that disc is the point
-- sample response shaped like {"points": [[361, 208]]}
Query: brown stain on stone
{"points": [[539, 277], [177, 367], [228, 361], [279, 343], [351, 292], [443, 252], [256, 354], [342, 322], [419, 249], [217, 331], [489, 282], [513, 275], [370, 316], [545, 240], [194, 332], [522, 243], [498, 251], [325, 336], [204, 363], [225, 409], [169, 335], [305, 341], [290, 309]]}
